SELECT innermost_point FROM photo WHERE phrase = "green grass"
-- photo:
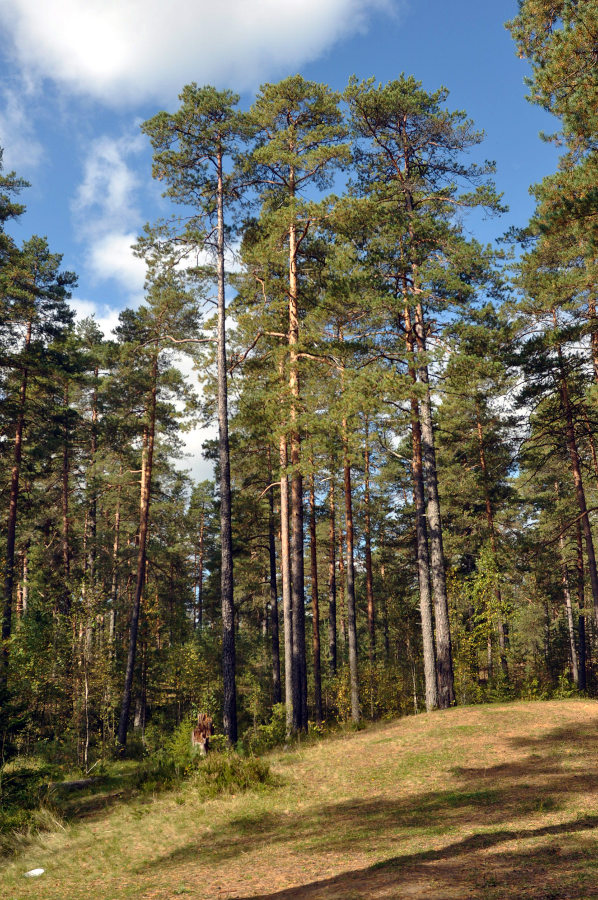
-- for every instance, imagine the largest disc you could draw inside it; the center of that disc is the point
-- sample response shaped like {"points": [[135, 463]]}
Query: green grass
{"points": [[478, 802]]}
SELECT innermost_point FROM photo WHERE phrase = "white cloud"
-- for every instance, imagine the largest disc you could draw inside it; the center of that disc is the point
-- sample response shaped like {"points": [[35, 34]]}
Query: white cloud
{"points": [[22, 150], [110, 256], [122, 51], [107, 192], [106, 211]]}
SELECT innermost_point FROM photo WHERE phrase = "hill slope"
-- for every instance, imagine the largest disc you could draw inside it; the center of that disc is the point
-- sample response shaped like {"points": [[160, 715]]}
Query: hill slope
{"points": [[485, 802]]}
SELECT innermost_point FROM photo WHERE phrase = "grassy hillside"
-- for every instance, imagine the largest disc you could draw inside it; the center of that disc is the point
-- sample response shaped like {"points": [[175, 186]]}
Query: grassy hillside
{"points": [[481, 802]]}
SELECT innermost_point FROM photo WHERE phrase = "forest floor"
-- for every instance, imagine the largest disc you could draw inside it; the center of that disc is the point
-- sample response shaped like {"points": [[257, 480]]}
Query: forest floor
{"points": [[486, 802]]}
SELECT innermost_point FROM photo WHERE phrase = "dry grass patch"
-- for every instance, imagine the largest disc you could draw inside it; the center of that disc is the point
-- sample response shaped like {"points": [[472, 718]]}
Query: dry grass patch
{"points": [[485, 802]]}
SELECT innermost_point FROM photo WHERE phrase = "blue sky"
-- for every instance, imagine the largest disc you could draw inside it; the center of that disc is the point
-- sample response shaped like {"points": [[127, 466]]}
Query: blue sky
{"points": [[78, 76]]}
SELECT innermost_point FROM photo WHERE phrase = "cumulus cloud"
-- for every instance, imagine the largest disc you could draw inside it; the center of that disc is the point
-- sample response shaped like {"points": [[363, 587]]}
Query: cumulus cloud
{"points": [[110, 256], [106, 211], [122, 51], [107, 192]]}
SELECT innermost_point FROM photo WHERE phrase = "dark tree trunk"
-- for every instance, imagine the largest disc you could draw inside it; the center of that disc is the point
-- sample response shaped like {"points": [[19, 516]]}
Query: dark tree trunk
{"points": [[66, 548], [444, 655], [581, 604], [421, 535], [569, 611], [200, 564], [332, 655], [11, 531], [297, 563], [287, 599], [276, 686], [582, 653], [351, 617], [229, 701], [341, 593], [93, 499], [593, 319], [578, 481], [369, 578], [115, 563], [144, 508], [315, 600]]}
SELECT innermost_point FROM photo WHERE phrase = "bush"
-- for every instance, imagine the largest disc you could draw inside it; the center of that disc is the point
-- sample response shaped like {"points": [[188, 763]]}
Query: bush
{"points": [[232, 774], [261, 738]]}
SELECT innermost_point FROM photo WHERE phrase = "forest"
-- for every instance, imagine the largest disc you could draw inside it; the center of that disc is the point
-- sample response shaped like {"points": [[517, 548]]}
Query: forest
{"points": [[403, 512]]}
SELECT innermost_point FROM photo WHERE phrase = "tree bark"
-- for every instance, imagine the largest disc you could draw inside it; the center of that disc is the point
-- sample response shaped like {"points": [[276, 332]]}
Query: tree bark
{"points": [[315, 606], [421, 535], [200, 563], [578, 481], [341, 593], [569, 611], [444, 656], [332, 650], [581, 604], [144, 508], [287, 599], [351, 617], [297, 563], [369, 577], [93, 500], [11, 530], [66, 549], [276, 686], [593, 319]]}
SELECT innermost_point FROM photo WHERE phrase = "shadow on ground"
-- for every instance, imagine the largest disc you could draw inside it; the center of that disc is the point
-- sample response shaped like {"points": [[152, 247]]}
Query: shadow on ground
{"points": [[483, 832]]}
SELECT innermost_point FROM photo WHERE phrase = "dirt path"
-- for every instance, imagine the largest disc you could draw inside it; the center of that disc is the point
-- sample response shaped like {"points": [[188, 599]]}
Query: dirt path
{"points": [[482, 802]]}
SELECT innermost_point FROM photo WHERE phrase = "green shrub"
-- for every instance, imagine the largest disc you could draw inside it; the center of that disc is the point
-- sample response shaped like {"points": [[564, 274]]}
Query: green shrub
{"points": [[261, 738], [228, 773]]}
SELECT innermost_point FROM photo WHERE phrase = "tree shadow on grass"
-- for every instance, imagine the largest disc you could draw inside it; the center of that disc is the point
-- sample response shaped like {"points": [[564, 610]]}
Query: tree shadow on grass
{"points": [[472, 868], [501, 804]]}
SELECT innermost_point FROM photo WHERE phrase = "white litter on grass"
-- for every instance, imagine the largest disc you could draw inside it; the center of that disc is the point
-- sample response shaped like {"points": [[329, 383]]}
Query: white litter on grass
{"points": [[33, 873]]}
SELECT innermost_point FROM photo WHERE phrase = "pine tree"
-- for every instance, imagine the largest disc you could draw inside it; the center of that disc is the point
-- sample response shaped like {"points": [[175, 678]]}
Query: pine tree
{"points": [[191, 148]]}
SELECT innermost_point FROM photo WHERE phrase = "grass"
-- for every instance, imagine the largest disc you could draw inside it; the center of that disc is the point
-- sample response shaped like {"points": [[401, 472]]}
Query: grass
{"points": [[486, 802]]}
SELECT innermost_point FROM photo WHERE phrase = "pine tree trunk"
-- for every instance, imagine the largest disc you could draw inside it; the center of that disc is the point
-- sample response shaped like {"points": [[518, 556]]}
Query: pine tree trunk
{"points": [[200, 565], [297, 563], [581, 604], [578, 481], [315, 600], [115, 564], [569, 611], [385, 623], [444, 656], [582, 652], [93, 500], [351, 617], [287, 599], [341, 594], [421, 534], [144, 508], [593, 319], [502, 641], [332, 651], [11, 531], [229, 701], [276, 686], [369, 578], [25, 591], [66, 549]]}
